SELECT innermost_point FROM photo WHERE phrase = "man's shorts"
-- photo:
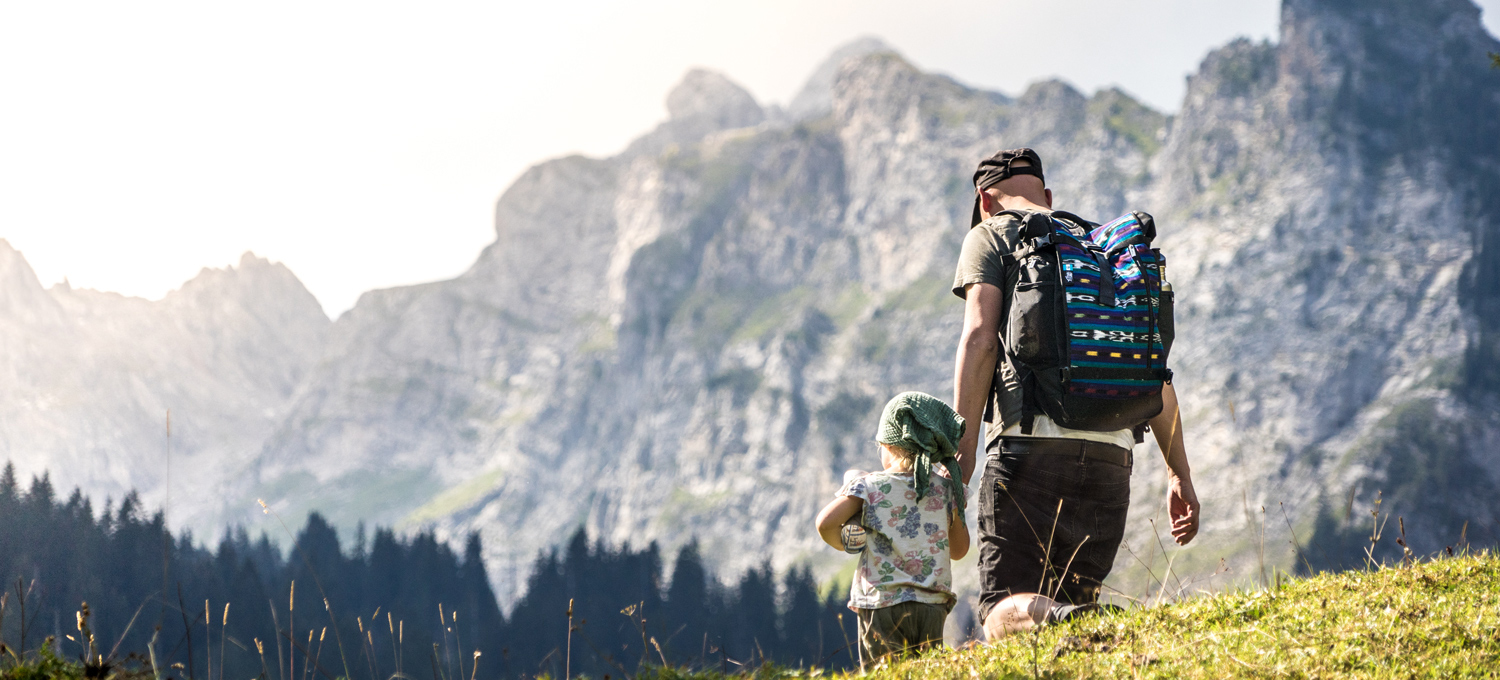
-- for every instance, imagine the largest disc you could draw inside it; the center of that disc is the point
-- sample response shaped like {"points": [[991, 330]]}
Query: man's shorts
{"points": [[1027, 544], [900, 629]]}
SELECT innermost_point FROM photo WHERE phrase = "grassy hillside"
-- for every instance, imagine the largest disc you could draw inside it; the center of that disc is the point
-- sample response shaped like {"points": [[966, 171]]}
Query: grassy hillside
{"points": [[1436, 619], [1431, 619]]}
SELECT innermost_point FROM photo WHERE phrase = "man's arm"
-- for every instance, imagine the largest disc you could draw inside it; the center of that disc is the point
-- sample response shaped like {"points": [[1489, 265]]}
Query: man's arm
{"points": [[1182, 501], [974, 368]]}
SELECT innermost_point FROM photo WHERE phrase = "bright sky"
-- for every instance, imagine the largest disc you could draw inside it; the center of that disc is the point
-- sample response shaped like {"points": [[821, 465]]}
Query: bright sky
{"points": [[363, 144]]}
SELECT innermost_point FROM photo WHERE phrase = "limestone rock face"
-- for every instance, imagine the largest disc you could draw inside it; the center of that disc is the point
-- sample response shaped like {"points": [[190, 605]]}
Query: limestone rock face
{"points": [[1328, 206], [692, 339], [89, 377]]}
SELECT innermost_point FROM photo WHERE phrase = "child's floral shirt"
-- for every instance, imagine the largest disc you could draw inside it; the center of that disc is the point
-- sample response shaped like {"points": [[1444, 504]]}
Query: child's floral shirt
{"points": [[906, 551]]}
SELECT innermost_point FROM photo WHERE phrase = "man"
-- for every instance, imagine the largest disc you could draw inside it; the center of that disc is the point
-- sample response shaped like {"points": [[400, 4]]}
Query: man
{"points": [[1053, 500]]}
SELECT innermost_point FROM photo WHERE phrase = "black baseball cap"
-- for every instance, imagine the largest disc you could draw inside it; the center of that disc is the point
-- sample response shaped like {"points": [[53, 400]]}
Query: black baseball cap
{"points": [[998, 168]]}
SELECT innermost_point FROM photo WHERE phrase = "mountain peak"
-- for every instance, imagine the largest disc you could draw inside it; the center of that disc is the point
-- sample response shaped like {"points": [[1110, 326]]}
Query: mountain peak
{"points": [[256, 282], [816, 97], [708, 97], [21, 294], [702, 103]]}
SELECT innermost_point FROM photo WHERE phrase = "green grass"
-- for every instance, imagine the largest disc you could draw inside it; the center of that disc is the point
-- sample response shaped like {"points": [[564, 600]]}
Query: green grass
{"points": [[45, 664], [1434, 619]]}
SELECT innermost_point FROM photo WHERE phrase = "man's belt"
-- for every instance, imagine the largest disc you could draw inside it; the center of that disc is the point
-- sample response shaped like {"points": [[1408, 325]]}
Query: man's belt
{"points": [[1055, 446]]}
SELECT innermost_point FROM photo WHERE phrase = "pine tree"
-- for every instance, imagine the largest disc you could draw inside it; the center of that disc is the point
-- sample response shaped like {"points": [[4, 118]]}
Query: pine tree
{"points": [[802, 637]]}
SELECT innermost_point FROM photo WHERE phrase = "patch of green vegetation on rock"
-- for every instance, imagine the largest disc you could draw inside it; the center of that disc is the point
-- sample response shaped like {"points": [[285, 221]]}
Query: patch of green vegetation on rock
{"points": [[873, 342], [928, 294], [601, 337], [774, 313], [847, 305], [682, 506], [375, 497], [454, 499], [712, 317], [1137, 123]]}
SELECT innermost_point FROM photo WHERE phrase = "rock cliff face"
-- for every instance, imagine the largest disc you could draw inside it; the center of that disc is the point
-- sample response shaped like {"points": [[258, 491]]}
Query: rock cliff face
{"points": [[692, 339], [89, 377], [1330, 210]]}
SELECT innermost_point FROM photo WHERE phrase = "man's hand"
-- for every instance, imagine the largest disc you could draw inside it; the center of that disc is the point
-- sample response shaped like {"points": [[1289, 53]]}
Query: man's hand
{"points": [[1182, 501], [1182, 506]]}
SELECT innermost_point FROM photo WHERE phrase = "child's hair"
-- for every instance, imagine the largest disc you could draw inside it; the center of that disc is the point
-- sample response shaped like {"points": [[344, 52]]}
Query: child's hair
{"points": [[903, 455]]}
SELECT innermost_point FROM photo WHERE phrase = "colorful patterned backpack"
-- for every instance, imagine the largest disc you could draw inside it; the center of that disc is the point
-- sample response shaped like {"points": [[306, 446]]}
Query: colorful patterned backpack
{"points": [[1089, 323]]}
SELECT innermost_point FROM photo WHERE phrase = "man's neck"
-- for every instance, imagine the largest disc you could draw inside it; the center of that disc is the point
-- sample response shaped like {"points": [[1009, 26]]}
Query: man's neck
{"points": [[1022, 203]]}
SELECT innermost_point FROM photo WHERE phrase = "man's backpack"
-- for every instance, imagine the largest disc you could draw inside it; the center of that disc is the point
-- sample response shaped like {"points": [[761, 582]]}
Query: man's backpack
{"points": [[1088, 326]]}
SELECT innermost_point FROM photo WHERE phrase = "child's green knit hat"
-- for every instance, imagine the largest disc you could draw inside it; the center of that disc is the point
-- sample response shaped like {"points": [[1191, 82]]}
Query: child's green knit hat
{"points": [[930, 429]]}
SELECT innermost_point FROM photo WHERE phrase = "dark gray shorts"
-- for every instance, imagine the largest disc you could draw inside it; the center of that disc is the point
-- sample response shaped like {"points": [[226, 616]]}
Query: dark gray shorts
{"points": [[900, 629], [1018, 510]]}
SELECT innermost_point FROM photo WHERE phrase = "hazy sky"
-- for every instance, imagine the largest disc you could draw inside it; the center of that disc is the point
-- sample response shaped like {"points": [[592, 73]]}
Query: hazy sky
{"points": [[364, 143]]}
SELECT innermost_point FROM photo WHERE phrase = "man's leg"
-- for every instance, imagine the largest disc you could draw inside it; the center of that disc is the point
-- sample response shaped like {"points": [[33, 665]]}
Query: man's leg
{"points": [[1012, 553], [1104, 500], [1017, 613], [1084, 534]]}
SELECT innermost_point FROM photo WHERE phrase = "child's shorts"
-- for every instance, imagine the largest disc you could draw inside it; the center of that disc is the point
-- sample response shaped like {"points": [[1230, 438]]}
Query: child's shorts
{"points": [[905, 628]]}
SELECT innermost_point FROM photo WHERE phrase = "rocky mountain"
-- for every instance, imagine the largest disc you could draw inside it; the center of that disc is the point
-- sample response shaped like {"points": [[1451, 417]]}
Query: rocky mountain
{"points": [[691, 339], [89, 378]]}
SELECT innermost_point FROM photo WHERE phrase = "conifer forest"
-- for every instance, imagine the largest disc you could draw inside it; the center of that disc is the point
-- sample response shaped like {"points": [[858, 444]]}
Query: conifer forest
{"points": [[117, 578]]}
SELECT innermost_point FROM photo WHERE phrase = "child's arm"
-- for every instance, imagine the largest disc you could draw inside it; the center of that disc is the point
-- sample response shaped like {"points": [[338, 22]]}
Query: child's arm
{"points": [[958, 536], [831, 519]]}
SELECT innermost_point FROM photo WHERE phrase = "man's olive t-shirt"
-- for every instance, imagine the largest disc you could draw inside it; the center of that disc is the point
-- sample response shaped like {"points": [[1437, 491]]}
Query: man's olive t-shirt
{"points": [[980, 262]]}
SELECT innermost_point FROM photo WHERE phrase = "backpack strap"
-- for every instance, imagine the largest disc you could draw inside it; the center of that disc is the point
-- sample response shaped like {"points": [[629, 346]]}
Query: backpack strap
{"points": [[1029, 410], [1036, 233]]}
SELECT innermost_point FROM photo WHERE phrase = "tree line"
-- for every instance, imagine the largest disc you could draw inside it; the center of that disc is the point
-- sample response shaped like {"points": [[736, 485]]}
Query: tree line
{"points": [[386, 605]]}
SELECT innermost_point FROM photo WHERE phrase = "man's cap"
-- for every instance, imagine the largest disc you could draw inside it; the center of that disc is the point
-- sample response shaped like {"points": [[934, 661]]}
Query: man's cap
{"points": [[998, 168]]}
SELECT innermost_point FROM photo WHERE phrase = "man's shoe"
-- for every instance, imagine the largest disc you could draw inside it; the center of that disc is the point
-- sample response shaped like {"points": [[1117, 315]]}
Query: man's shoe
{"points": [[1068, 612]]}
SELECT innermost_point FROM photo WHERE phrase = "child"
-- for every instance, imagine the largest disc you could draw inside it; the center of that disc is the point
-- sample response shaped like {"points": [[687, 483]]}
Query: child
{"points": [[908, 526]]}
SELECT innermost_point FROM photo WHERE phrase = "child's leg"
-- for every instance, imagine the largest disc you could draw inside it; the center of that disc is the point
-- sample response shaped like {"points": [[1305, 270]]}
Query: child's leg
{"points": [[922, 625], [902, 629], [877, 636]]}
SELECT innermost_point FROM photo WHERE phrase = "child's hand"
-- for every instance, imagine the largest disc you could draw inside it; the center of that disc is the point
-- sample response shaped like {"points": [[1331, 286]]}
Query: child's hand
{"points": [[853, 538]]}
